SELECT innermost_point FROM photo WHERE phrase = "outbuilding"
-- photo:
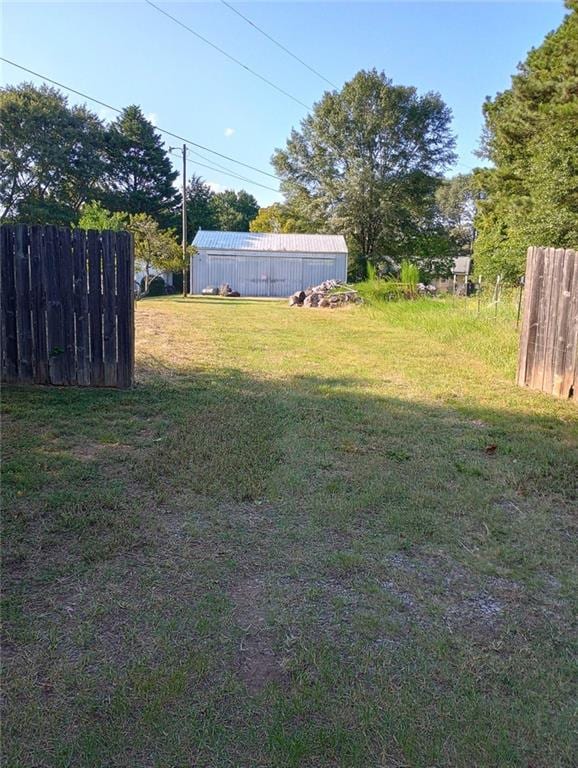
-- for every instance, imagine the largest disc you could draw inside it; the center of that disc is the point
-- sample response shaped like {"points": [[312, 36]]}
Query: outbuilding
{"points": [[266, 263]]}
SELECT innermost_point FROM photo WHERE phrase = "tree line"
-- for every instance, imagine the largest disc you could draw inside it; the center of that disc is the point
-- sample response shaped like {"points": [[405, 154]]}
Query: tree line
{"points": [[55, 158], [370, 161]]}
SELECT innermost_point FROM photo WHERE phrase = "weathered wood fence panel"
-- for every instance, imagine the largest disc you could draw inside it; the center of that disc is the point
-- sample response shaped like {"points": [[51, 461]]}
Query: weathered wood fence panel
{"points": [[67, 313], [548, 358]]}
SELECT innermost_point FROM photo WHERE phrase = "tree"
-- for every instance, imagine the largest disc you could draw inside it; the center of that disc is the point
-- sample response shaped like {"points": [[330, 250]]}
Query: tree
{"points": [[530, 136], [234, 211], [94, 216], [456, 200], [200, 213], [51, 155], [269, 219], [156, 250], [280, 217], [367, 163], [140, 177]]}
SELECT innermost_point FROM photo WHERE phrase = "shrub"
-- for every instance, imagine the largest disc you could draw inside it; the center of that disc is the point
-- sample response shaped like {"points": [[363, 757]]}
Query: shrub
{"points": [[157, 286]]}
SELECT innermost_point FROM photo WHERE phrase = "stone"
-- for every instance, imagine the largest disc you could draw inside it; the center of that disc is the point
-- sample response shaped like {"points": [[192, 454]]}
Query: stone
{"points": [[297, 299], [321, 296]]}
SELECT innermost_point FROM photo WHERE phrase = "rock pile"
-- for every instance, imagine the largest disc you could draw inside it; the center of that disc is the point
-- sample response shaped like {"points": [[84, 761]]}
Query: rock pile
{"points": [[330, 293]]}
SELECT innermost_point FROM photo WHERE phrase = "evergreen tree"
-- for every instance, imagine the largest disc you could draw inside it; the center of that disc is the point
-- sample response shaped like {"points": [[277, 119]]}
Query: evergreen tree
{"points": [[140, 177], [531, 136], [200, 213]]}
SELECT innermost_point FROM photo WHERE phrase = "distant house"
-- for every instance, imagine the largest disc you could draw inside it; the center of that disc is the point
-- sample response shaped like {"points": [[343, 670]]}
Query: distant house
{"points": [[461, 271], [462, 267], [140, 274], [266, 264]]}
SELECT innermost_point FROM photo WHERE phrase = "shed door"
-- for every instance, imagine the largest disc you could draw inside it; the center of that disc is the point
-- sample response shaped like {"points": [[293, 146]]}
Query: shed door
{"points": [[253, 273], [222, 269], [286, 275]]}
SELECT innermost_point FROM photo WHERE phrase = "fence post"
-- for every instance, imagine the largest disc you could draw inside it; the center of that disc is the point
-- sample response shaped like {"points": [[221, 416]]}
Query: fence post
{"points": [[479, 293], [549, 328], [497, 296]]}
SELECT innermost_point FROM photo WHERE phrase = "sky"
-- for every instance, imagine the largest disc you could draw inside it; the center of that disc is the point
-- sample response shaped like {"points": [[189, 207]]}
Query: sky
{"points": [[129, 53]]}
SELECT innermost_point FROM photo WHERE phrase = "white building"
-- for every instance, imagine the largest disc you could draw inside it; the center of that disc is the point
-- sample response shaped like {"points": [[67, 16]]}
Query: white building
{"points": [[266, 264]]}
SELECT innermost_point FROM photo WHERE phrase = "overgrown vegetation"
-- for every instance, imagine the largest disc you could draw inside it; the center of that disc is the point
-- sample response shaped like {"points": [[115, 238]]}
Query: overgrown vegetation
{"points": [[378, 287], [292, 544]]}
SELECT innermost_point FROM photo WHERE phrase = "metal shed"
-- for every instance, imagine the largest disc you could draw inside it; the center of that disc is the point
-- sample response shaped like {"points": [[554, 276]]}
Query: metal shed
{"points": [[266, 264]]}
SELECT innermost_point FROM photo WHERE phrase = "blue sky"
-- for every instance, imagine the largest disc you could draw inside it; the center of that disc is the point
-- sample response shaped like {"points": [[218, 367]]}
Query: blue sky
{"points": [[124, 53]]}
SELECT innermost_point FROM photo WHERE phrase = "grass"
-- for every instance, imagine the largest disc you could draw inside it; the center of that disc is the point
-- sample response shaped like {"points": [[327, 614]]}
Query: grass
{"points": [[288, 546]]}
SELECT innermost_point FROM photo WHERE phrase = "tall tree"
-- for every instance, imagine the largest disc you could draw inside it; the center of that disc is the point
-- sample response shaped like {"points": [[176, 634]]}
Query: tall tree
{"points": [[456, 199], [367, 162], [140, 177], [234, 211], [200, 213], [280, 217], [51, 155], [531, 136]]}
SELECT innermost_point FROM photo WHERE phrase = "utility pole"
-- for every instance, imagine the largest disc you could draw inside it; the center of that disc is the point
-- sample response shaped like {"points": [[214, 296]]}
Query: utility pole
{"points": [[185, 264]]}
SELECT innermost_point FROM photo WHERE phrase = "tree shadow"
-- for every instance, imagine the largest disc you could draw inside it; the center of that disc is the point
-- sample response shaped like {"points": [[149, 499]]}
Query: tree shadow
{"points": [[182, 512], [322, 446]]}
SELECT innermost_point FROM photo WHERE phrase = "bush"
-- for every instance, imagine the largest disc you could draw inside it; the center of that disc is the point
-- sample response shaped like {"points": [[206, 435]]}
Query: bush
{"points": [[157, 287]]}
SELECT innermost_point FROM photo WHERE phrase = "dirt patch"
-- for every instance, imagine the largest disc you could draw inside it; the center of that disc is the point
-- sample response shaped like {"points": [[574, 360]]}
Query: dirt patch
{"points": [[257, 663], [469, 603], [92, 451]]}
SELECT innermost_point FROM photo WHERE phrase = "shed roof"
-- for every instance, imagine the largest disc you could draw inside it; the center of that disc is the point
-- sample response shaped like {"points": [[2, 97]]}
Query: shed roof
{"points": [[269, 241]]}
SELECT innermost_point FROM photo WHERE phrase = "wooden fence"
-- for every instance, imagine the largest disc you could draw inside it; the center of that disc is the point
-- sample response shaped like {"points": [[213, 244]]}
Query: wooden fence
{"points": [[67, 306], [549, 336]]}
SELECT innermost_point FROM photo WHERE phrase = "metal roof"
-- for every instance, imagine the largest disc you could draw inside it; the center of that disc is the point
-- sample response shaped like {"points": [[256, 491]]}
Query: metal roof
{"points": [[269, 241], [462, 265]]}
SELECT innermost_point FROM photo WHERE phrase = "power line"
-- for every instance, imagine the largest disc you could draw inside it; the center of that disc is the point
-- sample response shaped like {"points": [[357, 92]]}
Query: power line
{"points": [[222, 169], [229, 56], [278, 44], [158, 128]]}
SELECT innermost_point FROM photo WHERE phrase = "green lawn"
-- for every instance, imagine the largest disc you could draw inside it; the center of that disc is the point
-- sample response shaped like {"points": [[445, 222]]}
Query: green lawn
{"points": [[289, 546]]}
